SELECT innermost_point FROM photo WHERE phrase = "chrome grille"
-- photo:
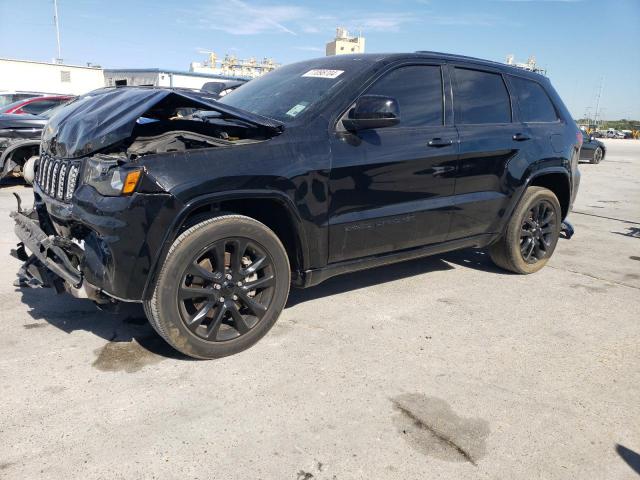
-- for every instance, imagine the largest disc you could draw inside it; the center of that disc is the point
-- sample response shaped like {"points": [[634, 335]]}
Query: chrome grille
{"points": [[62, 175], [57, 178]]}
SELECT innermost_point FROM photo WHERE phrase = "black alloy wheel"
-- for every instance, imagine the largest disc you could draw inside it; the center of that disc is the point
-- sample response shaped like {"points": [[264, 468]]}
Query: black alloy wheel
{"points": [[537, 231], [226, 290], [531, 233], [221, 288]]}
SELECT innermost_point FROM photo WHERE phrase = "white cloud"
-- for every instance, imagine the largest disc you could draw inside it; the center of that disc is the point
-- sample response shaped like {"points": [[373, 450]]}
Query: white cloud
{"points": [[479, 20], [310, 49], [252, 17], [539, 1], [237, 17]]}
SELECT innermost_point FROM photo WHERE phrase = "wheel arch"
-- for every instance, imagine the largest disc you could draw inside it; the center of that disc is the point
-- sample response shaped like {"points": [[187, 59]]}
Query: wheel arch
{"points": [[557, 180], [15, 147], [273, 208]]}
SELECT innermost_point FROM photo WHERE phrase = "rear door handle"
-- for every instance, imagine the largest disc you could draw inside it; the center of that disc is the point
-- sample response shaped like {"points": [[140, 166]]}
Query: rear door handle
{"points": [[439, 142], [521, 137]]}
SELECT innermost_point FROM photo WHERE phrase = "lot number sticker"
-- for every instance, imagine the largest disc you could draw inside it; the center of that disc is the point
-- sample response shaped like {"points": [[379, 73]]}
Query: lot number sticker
{"points": [[323, 73]]}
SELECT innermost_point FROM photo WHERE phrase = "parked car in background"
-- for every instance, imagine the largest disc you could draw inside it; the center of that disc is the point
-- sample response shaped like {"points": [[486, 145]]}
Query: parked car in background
{"points": [[627, 133], [20, 141], [222, 88], [316, 169], [613, 133], [592, 150], [35, 105]]}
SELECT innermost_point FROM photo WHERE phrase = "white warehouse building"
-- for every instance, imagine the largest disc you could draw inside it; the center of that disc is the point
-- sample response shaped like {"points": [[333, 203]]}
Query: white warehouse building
{"points": [[24, 75], [55, 78]]}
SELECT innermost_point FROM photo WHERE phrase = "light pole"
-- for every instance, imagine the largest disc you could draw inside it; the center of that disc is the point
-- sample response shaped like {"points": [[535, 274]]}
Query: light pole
{"points": [[55, 21]]}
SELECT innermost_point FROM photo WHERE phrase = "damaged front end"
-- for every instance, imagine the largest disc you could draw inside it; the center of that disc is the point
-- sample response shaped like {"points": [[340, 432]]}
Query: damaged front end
{"points": [[54, 262], [99, 217]]}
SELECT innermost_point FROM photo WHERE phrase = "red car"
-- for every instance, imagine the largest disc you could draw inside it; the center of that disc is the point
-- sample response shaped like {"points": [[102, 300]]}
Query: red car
{"points": [[35, 105]]}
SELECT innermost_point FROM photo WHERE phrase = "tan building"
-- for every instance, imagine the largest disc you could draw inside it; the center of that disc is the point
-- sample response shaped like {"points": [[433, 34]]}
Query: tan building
{"points": [[344, 44]]}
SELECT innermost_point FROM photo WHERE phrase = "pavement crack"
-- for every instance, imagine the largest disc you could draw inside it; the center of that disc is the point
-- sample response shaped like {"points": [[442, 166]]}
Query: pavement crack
{"points": [[441, 437], [595, 277], [605, 217]]}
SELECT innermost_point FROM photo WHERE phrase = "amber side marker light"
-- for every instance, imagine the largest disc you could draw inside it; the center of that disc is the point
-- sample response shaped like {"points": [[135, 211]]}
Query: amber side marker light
{"points": [[131, 182]]}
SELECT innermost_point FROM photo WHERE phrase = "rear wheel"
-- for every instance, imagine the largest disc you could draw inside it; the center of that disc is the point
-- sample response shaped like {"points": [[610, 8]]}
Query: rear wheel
{"points": [[532, 233], [597, 155], [222, 287]]}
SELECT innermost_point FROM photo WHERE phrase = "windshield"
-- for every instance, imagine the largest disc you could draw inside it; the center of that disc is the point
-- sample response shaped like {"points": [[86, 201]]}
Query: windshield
{"points": [[287, 92]]}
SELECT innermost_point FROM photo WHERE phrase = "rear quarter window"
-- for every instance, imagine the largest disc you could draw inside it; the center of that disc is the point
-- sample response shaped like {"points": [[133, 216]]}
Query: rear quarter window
{"points": [[480, 97], [533, 102], [36, 108]]}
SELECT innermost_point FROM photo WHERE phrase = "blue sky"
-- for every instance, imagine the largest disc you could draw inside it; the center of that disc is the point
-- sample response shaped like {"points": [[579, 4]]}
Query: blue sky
{"points": [[578, 41]]}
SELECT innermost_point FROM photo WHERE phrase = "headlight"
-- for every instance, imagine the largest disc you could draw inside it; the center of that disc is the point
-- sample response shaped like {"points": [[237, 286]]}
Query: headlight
{"points": [[109, 179]]}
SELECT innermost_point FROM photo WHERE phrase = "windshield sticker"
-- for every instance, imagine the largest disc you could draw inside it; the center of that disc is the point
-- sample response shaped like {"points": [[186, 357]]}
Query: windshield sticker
{"points": [[323, 73], [297, 109]]}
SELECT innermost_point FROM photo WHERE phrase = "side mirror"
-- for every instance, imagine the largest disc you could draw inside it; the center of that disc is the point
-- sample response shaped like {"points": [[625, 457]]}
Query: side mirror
{"points": [[372, 111], [591, 138]]}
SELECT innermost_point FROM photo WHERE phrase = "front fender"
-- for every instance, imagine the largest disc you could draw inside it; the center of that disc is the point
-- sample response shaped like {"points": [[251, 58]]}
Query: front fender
{"points": [[215, 198]]}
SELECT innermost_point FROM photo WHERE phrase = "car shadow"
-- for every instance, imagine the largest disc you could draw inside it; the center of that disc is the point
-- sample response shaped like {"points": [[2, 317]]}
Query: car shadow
{"points": [[470, 258], [70, 314], [14, 182], [129, 324], [630, 457], [633, 232]]}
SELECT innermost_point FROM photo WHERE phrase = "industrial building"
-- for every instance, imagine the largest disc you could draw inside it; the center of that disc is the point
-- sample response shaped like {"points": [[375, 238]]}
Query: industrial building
{"points": [[531, 64], [231, 66], [160, 78], [25, 75], [344, 44]]}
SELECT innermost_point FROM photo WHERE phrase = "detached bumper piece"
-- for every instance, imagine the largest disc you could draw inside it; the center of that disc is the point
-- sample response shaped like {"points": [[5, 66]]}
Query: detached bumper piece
{"points": [[567, 230], [51, 255]]}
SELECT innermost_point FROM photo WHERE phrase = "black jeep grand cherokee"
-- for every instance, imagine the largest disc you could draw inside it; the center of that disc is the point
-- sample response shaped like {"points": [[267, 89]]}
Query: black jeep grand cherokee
{"points": [[206, 211]]}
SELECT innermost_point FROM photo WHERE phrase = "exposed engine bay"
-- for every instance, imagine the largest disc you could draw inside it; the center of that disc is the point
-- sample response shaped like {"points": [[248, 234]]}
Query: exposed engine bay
{"points": [[135, 121]]}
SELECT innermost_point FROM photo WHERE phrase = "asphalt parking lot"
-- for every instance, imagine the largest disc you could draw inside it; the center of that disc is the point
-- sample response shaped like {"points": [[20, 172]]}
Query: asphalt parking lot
{"points": [[443, 367]]}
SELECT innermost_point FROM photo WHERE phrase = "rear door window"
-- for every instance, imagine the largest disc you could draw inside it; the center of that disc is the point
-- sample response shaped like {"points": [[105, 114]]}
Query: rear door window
{"points": [[533, 102], [480, 97], [418, 90]]}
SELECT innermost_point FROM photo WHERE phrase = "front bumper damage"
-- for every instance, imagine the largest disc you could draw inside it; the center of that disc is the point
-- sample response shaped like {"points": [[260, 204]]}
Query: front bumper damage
{"points": [[53, 262], [567, 230]]}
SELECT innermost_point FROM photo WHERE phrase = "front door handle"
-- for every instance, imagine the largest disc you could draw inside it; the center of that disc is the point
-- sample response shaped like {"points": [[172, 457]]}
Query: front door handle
{"points": [[521, 137], [439, 142]]}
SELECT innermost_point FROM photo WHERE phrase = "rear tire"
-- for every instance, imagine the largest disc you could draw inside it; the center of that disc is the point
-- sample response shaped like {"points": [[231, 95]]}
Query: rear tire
{"points": [[531, 234], [222, 287]]}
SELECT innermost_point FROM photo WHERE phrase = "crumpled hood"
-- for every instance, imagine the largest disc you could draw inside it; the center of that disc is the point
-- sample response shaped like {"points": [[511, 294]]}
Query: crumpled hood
{"points": [[107, 116]]}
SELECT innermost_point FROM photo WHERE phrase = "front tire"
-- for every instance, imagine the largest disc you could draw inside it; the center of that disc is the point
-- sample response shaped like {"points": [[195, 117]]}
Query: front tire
{"points": [[222, 287], [532, 233], [597, 155]]}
